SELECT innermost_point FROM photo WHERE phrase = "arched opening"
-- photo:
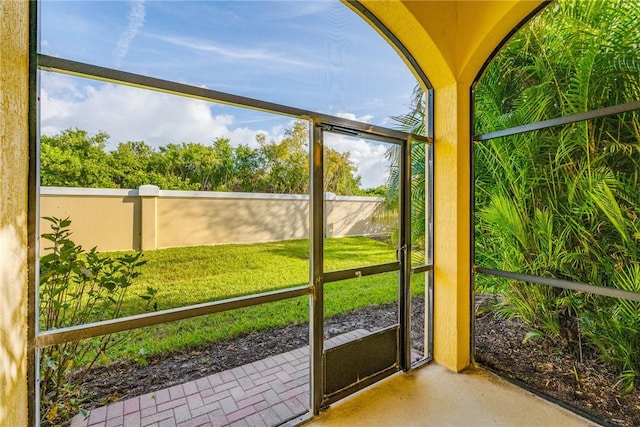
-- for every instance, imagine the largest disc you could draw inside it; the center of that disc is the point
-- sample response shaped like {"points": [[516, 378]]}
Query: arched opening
{"points": [[555, 150], [139, 305]]}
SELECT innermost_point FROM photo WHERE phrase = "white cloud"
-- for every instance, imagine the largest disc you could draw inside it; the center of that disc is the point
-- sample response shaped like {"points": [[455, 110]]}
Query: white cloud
{"points": [[136, 21], [239, 53], [130, 114], [369, 157], [350, 116]]}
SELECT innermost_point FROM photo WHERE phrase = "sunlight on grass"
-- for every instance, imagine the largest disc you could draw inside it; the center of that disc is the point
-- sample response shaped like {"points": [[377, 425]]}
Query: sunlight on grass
{"points": [[185, 276]]}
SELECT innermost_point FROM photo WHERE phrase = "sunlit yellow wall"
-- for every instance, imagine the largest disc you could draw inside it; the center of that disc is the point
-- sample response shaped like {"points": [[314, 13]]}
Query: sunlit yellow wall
{"points": [[450, 41], [110, 223], [13, 212]]}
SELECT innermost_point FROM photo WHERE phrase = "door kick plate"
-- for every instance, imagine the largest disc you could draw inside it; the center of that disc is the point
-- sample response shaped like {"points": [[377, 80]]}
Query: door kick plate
{"points": [[348, 364]]}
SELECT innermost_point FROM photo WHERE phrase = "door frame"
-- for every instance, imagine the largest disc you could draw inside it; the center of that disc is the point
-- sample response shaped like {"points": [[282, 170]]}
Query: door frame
{"points": [[318, 275]]}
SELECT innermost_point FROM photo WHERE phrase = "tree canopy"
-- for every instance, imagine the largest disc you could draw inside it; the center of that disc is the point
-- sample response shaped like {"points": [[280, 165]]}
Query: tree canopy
{"points": [[74, 158]]}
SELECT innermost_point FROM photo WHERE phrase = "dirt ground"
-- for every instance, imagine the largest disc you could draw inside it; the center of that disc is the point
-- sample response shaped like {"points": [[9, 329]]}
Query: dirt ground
{"points": [[547, 367]]}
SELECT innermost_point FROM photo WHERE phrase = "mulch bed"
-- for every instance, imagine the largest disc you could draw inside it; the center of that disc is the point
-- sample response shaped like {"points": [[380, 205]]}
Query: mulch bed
{"points": [[553, 368], [547, 367]]}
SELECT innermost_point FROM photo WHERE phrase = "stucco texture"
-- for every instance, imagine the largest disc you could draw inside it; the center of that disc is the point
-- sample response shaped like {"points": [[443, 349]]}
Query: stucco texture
{"points": [[13, 212]]}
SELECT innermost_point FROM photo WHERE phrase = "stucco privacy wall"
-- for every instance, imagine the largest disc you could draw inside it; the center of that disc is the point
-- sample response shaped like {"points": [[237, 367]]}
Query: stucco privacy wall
{"points": [[13, 211], [109, 219], [149, 218]]}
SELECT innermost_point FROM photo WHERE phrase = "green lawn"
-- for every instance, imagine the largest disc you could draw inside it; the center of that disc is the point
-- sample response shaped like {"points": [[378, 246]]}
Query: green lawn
{"points": [[185, 276]]}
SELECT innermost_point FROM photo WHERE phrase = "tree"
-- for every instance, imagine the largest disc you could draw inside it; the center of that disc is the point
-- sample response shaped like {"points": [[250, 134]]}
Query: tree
{"points": [[286, 164], [340, 173], [248, 169], [224, 172], [75, 159], [191, 163]]}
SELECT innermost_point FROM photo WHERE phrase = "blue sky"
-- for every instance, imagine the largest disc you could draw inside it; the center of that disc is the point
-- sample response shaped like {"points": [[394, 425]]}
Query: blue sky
{"points": [[316, 55]]}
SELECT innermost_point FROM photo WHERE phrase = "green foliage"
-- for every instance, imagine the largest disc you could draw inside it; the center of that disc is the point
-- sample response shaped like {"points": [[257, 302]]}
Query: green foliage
{"points": [[77, 287], [380, 191], [75, 159], [286, 163], [562, 202]]}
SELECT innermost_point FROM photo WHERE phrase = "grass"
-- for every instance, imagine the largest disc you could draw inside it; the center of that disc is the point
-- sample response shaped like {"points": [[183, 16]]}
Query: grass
{"points": [[185, 276]]}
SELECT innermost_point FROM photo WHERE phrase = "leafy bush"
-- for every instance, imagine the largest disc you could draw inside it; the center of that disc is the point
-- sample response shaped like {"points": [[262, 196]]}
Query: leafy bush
{"points": [[562, 202], [77, 287]]}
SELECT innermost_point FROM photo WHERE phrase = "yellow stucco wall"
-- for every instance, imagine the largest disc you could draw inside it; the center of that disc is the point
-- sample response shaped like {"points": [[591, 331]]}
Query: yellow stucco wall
{"points": [[450, 41], [13, 212], [111, 223], [187, 222]]}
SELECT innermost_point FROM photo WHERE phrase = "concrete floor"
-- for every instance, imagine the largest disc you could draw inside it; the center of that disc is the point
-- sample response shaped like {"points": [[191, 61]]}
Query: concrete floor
{"points": [[434, 396]]}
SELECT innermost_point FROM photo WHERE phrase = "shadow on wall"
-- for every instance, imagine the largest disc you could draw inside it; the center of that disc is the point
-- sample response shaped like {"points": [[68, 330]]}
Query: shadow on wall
{"points": [[351, 217], [144, 219], [194, 222], [13, 318]]}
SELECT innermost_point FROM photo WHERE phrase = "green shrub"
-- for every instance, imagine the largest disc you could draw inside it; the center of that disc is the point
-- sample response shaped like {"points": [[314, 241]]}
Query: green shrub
{"points": [[77, 287]]}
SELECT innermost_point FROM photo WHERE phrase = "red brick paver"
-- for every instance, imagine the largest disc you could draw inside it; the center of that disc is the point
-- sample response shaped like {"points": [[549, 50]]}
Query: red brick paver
{"points": [[263, 393]]}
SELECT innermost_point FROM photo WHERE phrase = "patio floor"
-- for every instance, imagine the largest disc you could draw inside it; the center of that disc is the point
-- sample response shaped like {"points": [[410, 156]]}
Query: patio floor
{"points": [[262, 393], [275, 390]]}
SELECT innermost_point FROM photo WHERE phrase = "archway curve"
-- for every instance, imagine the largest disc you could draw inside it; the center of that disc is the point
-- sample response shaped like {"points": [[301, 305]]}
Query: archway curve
{"points": [[450, 40]]}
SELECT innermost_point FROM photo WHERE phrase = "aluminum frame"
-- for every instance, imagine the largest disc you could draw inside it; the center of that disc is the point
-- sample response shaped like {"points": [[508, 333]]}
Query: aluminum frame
{"points": [[563, 284], [95, 329], [316, 238], [319, 276], [110, 75], [38, 340], [320, 123], [404, 296], [427, 267], [33, 213], [559, 121]]}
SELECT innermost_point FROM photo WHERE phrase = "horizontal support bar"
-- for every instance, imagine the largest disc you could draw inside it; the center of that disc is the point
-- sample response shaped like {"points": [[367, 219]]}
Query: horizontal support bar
{"points": [[111, 75], [573, 118], [564, 284], [75, 333], [334, 276], [421, 268]]}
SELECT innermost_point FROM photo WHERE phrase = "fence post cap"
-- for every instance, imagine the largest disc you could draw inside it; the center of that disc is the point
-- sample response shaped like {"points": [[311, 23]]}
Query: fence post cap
{"points": [[148, 190]]}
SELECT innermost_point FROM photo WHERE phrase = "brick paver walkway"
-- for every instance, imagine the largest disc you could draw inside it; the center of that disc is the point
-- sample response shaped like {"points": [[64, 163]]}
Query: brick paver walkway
{"points": [[263, 393]]}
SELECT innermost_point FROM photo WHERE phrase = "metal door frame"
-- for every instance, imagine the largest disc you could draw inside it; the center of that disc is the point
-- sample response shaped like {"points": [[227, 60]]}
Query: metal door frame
{"points": [[318, 276]]}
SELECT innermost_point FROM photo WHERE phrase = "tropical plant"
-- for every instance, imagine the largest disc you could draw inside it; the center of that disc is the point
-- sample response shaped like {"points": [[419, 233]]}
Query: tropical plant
{"points": [[563, 202], [411, 122]]}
